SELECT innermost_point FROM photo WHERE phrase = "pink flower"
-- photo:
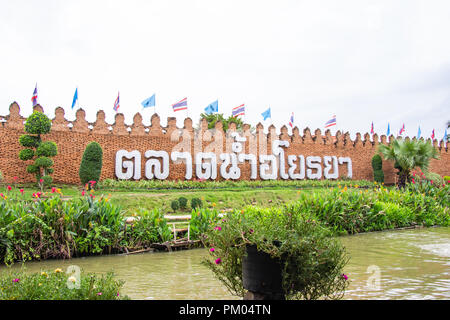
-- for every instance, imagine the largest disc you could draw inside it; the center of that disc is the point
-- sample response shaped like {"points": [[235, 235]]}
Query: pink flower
{"points": [[99, 293], [53, 190], [218, 228], [413, 181], [9, 188], [16, 280], [212, 250], [1, 195], [345, 276], [21, 191], [82, 193], [38, 195], [218, 261], [117, 294], [41, 180]]}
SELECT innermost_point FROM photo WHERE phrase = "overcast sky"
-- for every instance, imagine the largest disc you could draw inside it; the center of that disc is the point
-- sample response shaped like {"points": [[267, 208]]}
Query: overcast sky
{"points": [[380, 61]]}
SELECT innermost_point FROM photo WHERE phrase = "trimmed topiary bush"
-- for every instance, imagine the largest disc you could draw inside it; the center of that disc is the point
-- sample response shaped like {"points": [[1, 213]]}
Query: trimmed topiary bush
{"points": [[182, 202], [36, 125], [377, 166], [174, 205], [91, 163]]}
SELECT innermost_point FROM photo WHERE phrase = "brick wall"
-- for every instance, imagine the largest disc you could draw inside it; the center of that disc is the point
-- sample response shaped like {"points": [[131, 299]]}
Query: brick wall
{"points": [[73, 136]]}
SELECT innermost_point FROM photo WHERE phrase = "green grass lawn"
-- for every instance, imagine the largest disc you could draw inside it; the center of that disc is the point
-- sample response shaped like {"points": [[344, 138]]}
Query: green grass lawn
{"points": [[223, 200]]}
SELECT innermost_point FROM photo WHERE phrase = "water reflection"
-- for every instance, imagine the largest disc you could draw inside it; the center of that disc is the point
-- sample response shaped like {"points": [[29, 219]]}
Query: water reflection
{"points": [[411, 264]]}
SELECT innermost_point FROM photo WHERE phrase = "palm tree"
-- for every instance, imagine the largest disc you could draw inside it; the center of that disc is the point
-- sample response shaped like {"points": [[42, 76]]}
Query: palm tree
{"points": [[408, 154]]}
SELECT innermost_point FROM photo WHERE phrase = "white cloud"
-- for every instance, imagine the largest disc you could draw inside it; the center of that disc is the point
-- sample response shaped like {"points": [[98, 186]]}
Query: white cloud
{"points": [[361, 60]]}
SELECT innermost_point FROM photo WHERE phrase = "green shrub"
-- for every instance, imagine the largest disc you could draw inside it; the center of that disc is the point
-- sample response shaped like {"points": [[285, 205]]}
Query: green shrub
{"points": [[36, 125], [26, 154], [196, 203], [377, 163], [43, 162], [447, 179], [311, 260], [378, 176], [183, 202], [47, 149], [175, 205], [59, 285], [91, 163], [29, 141], [377, 166]]}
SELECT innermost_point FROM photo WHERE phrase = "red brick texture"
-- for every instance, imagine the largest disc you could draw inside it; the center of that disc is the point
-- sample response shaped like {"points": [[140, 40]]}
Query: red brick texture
{"points": [[73, 136]]}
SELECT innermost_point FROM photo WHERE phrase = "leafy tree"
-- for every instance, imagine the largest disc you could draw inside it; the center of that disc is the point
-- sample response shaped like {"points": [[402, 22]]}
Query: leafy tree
{"points": [[91, 163], [36, 125], [408, 154], [213, 118]]}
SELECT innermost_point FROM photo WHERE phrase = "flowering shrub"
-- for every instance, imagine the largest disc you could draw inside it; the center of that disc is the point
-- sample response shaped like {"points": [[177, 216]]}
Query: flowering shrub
{"points": [[42, 228], [201, 220], [53, 285], [312, 261]]}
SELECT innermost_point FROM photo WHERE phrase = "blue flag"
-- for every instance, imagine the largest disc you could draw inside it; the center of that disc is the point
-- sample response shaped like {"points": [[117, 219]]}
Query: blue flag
{"points": [[445, 136], [149, 102], [212, 107], [388, 130], [75, 98], [266, 114], [419, 133]]}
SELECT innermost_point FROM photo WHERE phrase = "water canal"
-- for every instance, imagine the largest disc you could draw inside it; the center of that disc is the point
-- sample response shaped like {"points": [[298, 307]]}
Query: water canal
{"points": [[405, 264]]}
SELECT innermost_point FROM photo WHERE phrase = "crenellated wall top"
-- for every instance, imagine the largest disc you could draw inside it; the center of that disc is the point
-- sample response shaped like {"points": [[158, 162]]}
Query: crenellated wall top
{"points": [[80, 125]]}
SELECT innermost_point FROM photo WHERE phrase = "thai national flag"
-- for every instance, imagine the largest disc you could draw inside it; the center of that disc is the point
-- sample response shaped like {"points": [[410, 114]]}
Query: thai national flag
{"points": [[371, 129], [402, 130], [331, 122], [180, 105], [116, 103], [291, 121], [432, 135], [35, 95], [238, 111]]}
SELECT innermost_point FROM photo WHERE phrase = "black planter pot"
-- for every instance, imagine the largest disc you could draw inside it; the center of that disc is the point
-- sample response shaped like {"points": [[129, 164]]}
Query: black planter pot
{"points": [[261, 275]]}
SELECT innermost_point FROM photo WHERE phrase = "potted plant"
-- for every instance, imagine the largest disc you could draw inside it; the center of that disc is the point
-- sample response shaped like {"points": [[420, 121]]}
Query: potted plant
{"points": [[276, 253]]}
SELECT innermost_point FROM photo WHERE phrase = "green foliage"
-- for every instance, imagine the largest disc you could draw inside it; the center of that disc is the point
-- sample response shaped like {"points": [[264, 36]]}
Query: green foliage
{"points": [[150, 227], [38, 123], [377, 166], [407, 155], [312, 260], [59, 285], [226, 184], [378, 176], [377, 163], [201, 221], [175, 205], [196, 203], [182, 202], [91, 163], [47, 149], [32, 168], [43, 162], [215, 117], [47, 180], [26, 154], [29, 141], [46, 228]]}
